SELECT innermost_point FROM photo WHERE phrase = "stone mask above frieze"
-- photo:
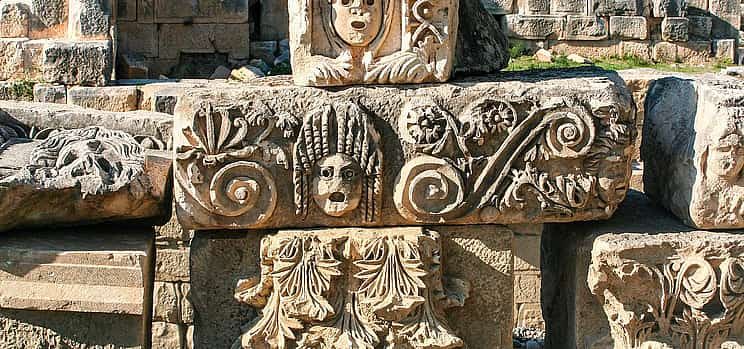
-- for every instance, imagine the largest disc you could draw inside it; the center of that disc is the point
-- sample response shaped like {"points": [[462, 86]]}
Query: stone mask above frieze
{"points": [[258, 161], [344, 42]]}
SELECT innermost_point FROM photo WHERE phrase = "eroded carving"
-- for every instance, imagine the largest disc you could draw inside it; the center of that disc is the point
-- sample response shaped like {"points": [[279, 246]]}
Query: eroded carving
{"points": [[350, 288], [555, 159], [689, 296], [340, 42], [338, 162]]}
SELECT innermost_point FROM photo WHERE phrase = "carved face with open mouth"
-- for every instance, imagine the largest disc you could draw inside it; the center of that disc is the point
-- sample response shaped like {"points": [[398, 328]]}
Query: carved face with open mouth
{"points": [[337, 184], [357, 22]]}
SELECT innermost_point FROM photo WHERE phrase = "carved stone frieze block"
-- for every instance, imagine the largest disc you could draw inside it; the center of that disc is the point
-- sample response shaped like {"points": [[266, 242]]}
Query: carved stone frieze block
{"points": [[677, 290], [351, 288], [343, 42], [693, 150], [77, 176], [272, 155]]}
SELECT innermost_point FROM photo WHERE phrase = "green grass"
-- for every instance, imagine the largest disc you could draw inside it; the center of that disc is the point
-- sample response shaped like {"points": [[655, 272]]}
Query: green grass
{"points": [[525, 62], [22, 90]]}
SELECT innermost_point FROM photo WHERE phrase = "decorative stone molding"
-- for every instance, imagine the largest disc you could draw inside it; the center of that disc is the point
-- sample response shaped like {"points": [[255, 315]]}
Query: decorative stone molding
{"points": [[351, 288], [343, 42], [681, 290], [694, 150], [395, 156]]}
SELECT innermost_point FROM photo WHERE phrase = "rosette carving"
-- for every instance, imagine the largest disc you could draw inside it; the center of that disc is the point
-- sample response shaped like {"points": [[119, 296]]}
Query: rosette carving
{"points": [[429, 189]]}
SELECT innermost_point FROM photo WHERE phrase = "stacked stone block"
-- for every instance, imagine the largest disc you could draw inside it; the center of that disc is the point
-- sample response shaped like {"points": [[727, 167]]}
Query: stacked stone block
{"points": [[57, 41]]}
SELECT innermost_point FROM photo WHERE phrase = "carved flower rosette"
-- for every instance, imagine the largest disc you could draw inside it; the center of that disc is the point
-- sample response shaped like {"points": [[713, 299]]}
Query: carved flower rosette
{"points": [[228, 165], [350, 288], [502, 163]]}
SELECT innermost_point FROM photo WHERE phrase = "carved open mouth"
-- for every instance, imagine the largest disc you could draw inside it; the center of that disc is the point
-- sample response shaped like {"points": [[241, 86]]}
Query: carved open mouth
{"points": [[359, 25], [337, 197]]}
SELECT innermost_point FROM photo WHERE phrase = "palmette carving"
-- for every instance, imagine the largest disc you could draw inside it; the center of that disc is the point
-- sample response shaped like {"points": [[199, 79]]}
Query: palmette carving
{"points": [[693, 299], [350, 288], [558, 157]]}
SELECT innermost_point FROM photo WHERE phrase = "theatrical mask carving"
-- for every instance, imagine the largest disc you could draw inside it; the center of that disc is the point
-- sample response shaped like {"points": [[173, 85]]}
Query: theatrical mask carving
{"points": [[725, 156], [343, 42], [338, 162]]}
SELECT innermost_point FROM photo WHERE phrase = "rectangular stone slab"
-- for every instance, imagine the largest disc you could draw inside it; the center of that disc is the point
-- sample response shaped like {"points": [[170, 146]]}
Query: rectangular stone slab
{"points": [[479, 256], [693, 150], [523, 148]]}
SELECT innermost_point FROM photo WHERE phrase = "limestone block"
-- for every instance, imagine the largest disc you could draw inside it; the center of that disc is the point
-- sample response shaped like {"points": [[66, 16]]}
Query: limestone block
{"points": [[480, 253], [586, 49], [670, 290], [700, 27], [533, 7], [78, 176], [24, 329], [14, 20], [527, 287], [629, 27], [667, 8], [147, 127], [172, 233], [167, 336], [617, 7], [526, 252], [693, 151], [675, 29], [568, 154], [187, 307], [172, 265], [165, 302], [535, 27], [585, 28], [574, 316], [48, 19], [726, 16], [48, 93], [574, 7], [274, 21], [201, 11], [697, 6], [529, 315], [372, 42], [482, 46], [725, 49], [11, 59], [694, 52], [204, 38], [126, 11], [145, 11], [115, 99], [77, 63], [141, 38], [89, 19]]}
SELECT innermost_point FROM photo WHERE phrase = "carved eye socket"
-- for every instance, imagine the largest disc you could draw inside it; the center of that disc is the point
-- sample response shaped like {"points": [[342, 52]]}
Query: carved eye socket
{"points": [[348, 174], [326, 172], [370, 2], [346, 2]]}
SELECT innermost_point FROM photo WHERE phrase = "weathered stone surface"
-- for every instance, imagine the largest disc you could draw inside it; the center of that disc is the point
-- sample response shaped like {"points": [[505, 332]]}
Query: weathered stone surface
{"points": [[627, 27], [566, 160], [694, 52], [725, 50], [155, 128], [498, 7], [187, 307], [667, 8], [203, 38], [675, 29], [47, 14], [588, 49], [535, 27], [693, 150], [726, 18], [11, 59], [574, 7], [78, 176], [617, 7], [201, 11], [482, 46], [172, 265], [77, 63], [585, 28], [14, 20], [375, 42], [115, 99], [165, 302], [479, 252], [48, 93], [643, 50], [89, 19], [574, 316], [24, 329], [138, 38], [166, 335], [534, 7], [671, 290], [700, 27]]}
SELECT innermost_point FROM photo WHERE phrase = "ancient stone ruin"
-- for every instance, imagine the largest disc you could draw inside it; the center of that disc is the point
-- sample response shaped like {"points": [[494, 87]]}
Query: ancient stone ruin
{"points": [[394, 189]]}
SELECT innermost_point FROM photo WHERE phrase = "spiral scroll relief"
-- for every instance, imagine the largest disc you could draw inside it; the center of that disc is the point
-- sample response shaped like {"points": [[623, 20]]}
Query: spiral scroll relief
{"points": [[428, 189], [244, 189]]}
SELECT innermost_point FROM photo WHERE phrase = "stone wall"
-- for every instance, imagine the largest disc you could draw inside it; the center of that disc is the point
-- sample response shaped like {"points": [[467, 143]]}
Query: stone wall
{"points": [[61, 41], [658, 30]]}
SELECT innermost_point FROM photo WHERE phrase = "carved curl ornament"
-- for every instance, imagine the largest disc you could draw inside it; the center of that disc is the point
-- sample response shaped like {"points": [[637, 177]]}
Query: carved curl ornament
{"points": [[350, 288], [694, 300]]}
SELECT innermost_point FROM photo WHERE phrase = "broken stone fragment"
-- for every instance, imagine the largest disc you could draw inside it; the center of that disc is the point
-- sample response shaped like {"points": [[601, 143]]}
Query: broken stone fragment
{"points": [[79, 176], [693, 150]]}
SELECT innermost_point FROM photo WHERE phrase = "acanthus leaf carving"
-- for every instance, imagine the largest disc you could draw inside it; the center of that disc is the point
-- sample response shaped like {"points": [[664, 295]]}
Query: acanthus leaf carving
{"points": [[349, 288]]}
